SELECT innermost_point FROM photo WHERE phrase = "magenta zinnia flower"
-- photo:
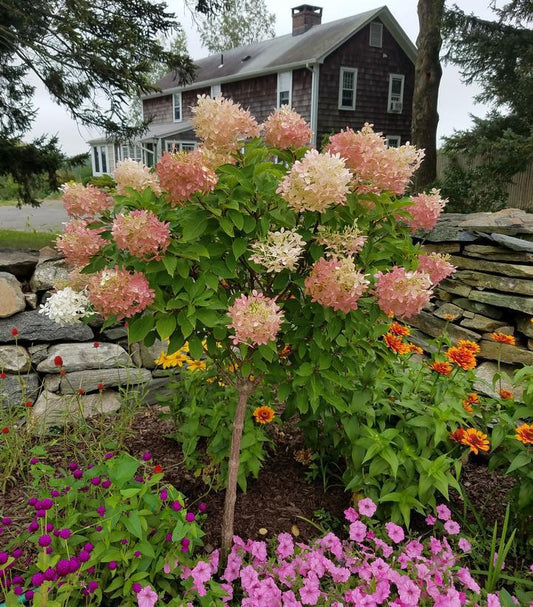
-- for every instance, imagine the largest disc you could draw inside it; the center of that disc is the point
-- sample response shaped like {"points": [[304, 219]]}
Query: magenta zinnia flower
{"points": [[285, 128], [142, 234], [402, 293], [316, 182], [335, 283], [115, 292], [255, 318]]}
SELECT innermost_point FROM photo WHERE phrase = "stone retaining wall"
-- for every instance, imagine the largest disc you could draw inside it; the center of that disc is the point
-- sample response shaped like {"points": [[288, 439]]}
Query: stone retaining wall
{"points": [[96, 364], [492, 289]]}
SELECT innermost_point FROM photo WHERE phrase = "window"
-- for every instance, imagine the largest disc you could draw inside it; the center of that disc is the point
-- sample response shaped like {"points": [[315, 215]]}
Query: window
{"points": [[133, 151], [347, 88], [148, 154], [376, 34], [99, 159], [176, 105], [172, 145], [216, 89], [284, 88], [396, 82], [393, 141]]}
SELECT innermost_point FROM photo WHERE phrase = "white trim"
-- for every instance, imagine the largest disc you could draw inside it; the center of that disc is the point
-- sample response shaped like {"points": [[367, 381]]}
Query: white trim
{"points": [[102, 154], [284, 86], [395, 101], [342, 72], [177, 95], [315, 80], [376, 34], [395, 140], [176, 145]]}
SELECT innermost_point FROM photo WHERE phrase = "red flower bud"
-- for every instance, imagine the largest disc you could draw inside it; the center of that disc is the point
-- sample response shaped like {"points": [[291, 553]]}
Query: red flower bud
{"points": [[58, 361], [5, 430], [14, 332], [158, 469]]}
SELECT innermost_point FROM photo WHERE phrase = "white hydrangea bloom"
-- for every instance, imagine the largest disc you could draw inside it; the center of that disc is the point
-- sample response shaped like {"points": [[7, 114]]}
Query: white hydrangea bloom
{"points": [[279, 251], [340, 244], [66, 307]]}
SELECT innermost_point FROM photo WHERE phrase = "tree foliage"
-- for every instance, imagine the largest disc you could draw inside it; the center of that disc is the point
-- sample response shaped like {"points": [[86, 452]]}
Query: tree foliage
{"points": [[241, 22], [498, 55]]}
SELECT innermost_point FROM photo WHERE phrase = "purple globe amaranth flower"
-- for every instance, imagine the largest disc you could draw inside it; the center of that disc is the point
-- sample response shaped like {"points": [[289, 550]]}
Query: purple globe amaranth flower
{"points": [[112, 565], [63, 567], [139, 479], [32, 501], [168, 537], [41, 513], [73, 466], [176, 506], [136, 587], [96, 481], [64, 534], [89, 547], [33, 526], [55, 493], [3, 558], [106, 484], [146, 456], [49, 527], [50, 575], [90, 466], [6, 521], [17, 553], [45, 504], [202, 507], [123, 541], [90, 571], [83, 556], [77, 474], [75, 564], [44, 540], [108, 455], [189, 517], [49, 550], [34, 460], [18, 590], [92, 586], [163, 494], [99, 527], [18, 579], [137, 554], [101, 510], [29, 594]]}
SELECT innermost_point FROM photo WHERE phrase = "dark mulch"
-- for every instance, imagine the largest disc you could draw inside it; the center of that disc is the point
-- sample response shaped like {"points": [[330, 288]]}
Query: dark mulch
{"points": [[279, 499]]}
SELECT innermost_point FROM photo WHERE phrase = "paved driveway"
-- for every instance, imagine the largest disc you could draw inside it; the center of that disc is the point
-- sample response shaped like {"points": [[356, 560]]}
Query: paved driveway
{"points": [[49, 217]]}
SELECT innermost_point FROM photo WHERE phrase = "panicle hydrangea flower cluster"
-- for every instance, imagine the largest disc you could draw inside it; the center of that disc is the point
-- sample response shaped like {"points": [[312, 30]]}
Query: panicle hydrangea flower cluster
{"points": [[336, 283], [222, 124], [133, 174], [436, 265], [79, 243], [84, 201], [316, 182], [374, 567], [348, 242], [255, 318], [142, 234], [116, 292], [425, 210], [183, 174], [402, 293], [285, 128], [376, 168], [66, 307], [279, 251]]}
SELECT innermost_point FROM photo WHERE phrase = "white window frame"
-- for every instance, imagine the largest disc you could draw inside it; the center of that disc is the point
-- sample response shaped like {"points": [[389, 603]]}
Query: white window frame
{"points": [[216, 89], [177, 106], [131, 150], [395, 139], [344, 70], [177, 145], [284, 86], [100, 157], [395, 98], [376, 34]]}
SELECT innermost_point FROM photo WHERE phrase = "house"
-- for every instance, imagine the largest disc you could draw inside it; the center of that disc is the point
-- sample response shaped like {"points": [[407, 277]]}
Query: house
{"points": [[342, 73]]}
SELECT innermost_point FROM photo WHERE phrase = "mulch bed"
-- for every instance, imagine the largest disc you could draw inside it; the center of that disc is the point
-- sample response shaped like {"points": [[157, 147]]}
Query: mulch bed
{"points": [[280, 499]]}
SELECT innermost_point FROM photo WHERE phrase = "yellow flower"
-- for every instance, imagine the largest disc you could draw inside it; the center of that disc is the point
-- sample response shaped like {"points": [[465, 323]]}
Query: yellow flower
{"points": [[196, 365]]}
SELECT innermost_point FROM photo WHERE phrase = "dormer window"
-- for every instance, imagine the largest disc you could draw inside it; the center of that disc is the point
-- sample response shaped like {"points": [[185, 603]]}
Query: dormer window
{"points": [[376, 34], [176, 107]]}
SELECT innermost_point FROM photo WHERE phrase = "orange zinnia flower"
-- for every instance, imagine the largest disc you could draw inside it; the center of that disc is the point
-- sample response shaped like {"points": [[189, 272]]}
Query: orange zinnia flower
{"points": [[468, 345], [441, 367], [457, 436], [468, 407], [399, 329], [503, 338], [505, 394], [413, 348], [524, 434], [464, 357], [469, 401], [476, 440], [396, 343], [264, 414]]}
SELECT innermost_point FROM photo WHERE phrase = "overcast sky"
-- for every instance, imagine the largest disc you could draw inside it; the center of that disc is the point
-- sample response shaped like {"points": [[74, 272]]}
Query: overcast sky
{"points": [[455, 99]]}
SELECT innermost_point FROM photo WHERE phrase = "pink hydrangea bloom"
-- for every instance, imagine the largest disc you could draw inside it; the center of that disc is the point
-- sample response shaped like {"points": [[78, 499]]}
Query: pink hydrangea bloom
{"points": [[183, 174], [116, 292], [425, 211], [132, 174], [335, 283], [255, 318], [84, 201], [395, 532], [79, 243], [402, 293], [142, 234], [285, 128], [280, 250], [367, 507], [376, 167], [222, 124], [436, 265], [316, 182]]}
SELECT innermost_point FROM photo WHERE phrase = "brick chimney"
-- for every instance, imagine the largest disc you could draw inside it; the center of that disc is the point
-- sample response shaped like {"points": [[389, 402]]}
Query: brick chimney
{"points": [[304, 17]]}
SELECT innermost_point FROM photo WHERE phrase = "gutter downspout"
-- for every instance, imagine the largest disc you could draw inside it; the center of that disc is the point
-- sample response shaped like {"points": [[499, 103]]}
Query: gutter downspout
{"points": [[315, 69]]}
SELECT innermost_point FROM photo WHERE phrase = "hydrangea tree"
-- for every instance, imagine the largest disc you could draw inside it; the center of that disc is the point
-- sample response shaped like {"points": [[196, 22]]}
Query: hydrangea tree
{"points": [[271, 259]]}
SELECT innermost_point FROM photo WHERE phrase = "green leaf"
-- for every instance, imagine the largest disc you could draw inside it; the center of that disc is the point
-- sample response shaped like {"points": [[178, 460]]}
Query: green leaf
{"points": [[183, 266], [208, 317], [237, 219], [522, 459], [196, 349], [122, 468], [170, 262], [304, 370], [140, 327], [194, 225], [127, 493], [165, 325], [146, 549], [226, 225], [239, 246], [133, 524]]}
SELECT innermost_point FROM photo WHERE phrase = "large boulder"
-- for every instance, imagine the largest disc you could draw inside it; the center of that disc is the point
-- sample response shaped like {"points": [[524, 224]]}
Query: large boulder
{"points": [[34, 327], [11, 296], [79, 357]]}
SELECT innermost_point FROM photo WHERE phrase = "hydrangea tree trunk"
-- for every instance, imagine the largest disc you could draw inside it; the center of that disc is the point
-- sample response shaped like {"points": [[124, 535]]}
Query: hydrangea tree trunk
{"points": [[244, 389]]}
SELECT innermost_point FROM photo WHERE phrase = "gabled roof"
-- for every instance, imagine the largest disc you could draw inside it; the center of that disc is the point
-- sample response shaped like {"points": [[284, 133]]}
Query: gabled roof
{"points": [[285, 53]]}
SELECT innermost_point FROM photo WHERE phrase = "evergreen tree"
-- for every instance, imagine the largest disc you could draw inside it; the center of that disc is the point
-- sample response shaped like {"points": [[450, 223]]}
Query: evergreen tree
{"points": [[241, 22], [497, 55]]}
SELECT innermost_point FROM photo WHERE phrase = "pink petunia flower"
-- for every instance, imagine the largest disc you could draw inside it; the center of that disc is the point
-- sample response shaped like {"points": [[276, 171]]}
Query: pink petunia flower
{"points": [[395, 532], [366, 507], [147, 597]]}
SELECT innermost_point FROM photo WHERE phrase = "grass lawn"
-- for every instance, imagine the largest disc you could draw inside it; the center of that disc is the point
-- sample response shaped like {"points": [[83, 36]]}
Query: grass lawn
{"points": [[15, 239]]}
